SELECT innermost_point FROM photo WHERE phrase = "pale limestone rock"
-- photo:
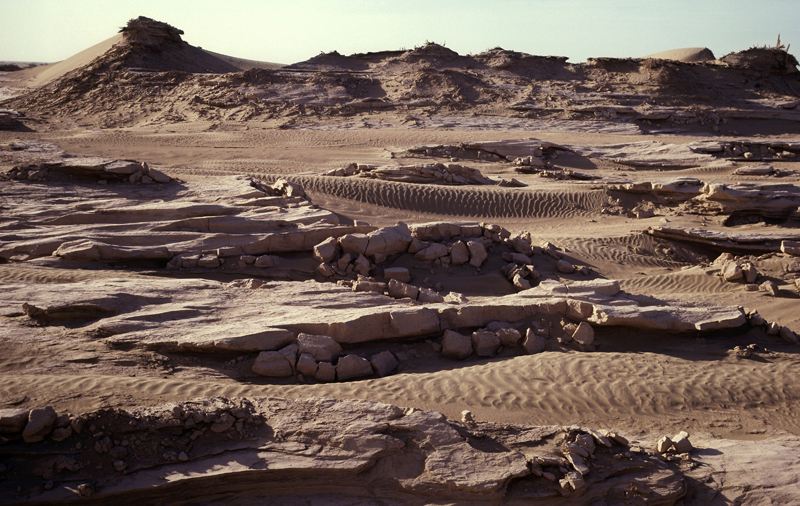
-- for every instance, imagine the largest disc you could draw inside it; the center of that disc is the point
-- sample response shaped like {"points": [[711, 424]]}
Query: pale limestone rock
{"points": [[575, 480], [384, 363], [788, 335], [432, 252], [273, 364], [355, 244], [477, 253], [522, 246], [732, 272], [322, 348], [466, 416], [773, 329], [565, 267], [400, 290], [578, 463], [399, 273], [791, 247], [520, 259], [326, 250], [362, 265], [352, 366], [586, 441], [288, 188], [681, 443], [436, 231], [664, 444], [459, 253], [158, 176], [466, 469], [749, 272], [485, 343], [534, 343], [343, 262], [326, 372], [584, 334], [507, 333], [456, 345], [325, 270], [248, 259], [13, 420], [40, 423], [208, 261], [306, 365], [428, 295], [369, 286], [520, 282], [236, 337], [388, 241], [769, 287]]}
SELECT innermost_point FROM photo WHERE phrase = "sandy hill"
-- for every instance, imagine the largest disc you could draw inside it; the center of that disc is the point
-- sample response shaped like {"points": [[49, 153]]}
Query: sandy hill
{"points": [[115, 83], [148, 45]]}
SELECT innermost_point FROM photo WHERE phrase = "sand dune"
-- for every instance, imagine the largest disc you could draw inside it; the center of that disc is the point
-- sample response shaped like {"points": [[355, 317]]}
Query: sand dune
{"points": [[453, 201], [39, 76], [689, 54]]}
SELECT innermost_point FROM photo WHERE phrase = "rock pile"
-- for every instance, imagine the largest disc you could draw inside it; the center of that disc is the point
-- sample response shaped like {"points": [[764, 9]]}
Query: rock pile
{"points": [[772, 328], [320, 357], [437, 173]]}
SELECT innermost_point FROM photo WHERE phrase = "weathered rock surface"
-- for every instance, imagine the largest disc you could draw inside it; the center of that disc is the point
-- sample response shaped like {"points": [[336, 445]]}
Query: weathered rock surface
{"points": [[363, 449]]}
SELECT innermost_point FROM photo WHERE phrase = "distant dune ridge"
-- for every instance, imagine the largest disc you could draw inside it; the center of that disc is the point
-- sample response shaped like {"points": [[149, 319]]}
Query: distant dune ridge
{"points": [[688, 55]]}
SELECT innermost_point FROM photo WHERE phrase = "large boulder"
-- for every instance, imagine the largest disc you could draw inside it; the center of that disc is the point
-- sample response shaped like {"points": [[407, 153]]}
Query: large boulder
{"points": [[477, 253], [13, 420], [459, 253], [485, 343], [384, 363], [40, 423], [322, 348], [326, 250], [353, 366], [432, 252], [273, 364], [456, 345], [355, 244]]}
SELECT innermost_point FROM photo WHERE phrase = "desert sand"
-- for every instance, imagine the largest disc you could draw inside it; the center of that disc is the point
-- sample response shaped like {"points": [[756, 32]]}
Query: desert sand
{"points": [[408, 277]]}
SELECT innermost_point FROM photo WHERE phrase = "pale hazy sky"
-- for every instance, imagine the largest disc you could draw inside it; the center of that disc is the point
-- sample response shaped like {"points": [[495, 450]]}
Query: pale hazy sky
{"points": [[295, 30]]}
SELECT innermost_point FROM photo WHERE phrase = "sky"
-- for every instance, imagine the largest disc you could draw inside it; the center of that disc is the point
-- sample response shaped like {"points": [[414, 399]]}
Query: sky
{"points": [[291, 31]]}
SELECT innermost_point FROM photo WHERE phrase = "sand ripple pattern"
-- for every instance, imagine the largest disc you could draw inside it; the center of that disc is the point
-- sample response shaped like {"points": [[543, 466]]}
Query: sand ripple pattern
{"points": [[458, 201], [543, 388]]}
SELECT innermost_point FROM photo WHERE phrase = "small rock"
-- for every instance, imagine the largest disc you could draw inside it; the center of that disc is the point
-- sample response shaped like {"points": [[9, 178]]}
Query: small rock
{"points": [[120, 465], [477, 253], [788, 335], [680, 443], [664, 445], [183, 457], [565, 267], [466, 416], [534, 343], [769, 287], [265, 261], [732, 272], [85, 490], [584, 334], [399, 273], [13, 420]]}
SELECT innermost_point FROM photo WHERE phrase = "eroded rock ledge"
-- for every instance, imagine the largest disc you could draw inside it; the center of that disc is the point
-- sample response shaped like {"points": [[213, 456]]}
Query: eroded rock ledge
{"points": [[261, 448]]}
